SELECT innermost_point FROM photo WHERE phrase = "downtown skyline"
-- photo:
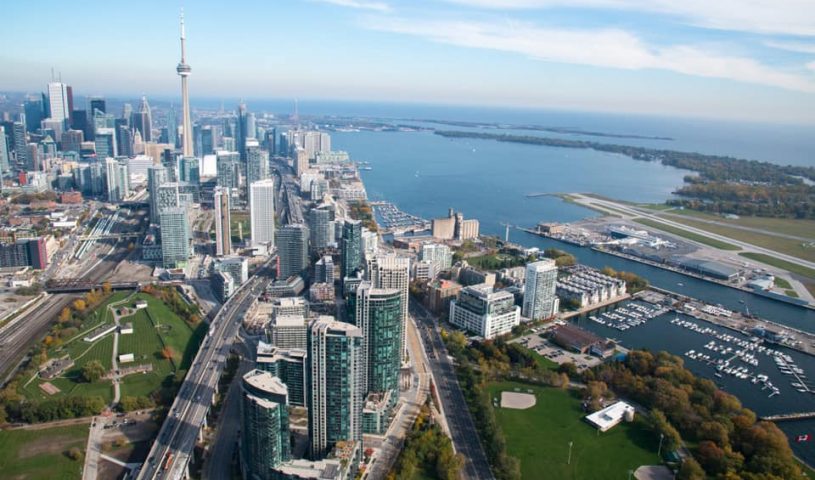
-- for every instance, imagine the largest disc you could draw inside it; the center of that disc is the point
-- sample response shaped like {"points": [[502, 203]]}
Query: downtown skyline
{"points": [[622, 56]]}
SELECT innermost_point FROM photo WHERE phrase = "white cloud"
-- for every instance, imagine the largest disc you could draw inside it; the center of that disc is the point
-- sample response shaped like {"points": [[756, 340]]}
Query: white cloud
{"points": [[360, 4], [603, 48], [800, 47], [811, 66], [792, 17]]}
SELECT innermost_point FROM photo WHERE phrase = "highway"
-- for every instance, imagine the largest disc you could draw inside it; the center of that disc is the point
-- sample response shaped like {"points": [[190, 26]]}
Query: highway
{"points": [[454, 406], [172, 450]]}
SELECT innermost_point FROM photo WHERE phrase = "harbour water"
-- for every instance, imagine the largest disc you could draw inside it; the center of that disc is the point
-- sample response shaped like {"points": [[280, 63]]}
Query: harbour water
{"points": [[424, 174]]}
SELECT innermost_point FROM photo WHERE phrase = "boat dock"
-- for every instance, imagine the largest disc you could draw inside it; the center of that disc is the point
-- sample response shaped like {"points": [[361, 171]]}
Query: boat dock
{"points": [[775, 333]]}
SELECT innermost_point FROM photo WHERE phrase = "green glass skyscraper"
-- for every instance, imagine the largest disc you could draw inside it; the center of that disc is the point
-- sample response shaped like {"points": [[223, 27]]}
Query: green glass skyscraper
{"points": [[351, 248], [379, 316], [336, 389], [265, 440]]}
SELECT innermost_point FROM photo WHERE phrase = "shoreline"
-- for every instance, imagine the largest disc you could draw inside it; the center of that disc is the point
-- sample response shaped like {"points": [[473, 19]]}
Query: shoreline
{"points": [[634, 258]]}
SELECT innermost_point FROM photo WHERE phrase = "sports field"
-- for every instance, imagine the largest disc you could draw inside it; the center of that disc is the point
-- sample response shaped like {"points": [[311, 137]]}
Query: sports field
{"points": [[540, 436], [42, 454]]}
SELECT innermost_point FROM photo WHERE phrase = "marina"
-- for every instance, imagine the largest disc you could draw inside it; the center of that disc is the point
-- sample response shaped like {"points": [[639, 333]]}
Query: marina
{"points": [[630, 315], [393, 220]]}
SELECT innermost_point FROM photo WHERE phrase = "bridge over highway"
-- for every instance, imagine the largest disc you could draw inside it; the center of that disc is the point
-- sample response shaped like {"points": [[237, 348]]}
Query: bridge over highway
{"points": [[71, 285]]}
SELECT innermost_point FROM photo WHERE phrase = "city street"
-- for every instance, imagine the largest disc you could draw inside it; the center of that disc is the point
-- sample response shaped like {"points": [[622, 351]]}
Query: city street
{"points": [[462, 428]]}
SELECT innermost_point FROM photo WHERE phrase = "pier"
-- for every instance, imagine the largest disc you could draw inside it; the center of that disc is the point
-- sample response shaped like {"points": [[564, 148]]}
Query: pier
{"points": [[788, 416]]}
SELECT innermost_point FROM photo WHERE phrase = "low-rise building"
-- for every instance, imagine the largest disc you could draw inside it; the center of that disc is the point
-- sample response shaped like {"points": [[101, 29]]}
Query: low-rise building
{"points": [[589, 287], [611, 416], [483, 311]]}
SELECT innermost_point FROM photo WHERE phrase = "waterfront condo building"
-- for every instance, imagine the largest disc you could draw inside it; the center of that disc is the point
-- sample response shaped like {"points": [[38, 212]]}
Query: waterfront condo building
{"points": [[485, 312], [335, 383], [540, 300]]}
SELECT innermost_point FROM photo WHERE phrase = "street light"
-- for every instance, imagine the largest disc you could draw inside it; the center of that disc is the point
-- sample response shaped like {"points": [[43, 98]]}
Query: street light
{"points": [[569, 461], [659, 450]]}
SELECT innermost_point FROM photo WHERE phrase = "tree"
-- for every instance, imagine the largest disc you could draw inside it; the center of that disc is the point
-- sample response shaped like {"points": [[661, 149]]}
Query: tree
{"points": [[79, 305], [64, 315], [690, 470], [74, 454], [93, 371], [106, 288], [3, 415], [167, 353]]}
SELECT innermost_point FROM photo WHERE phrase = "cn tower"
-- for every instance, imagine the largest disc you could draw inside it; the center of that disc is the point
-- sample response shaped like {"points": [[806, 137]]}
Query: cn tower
{"points": [[184, 71]]}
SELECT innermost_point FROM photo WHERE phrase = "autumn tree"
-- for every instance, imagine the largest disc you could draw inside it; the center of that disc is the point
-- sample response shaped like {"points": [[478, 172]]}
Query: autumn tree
{"points": [[167, 353], [79, 305], [64, 315]]}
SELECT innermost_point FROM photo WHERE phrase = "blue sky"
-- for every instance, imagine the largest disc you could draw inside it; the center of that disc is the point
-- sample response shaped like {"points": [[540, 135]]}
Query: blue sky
{"points": [[747, 59]]}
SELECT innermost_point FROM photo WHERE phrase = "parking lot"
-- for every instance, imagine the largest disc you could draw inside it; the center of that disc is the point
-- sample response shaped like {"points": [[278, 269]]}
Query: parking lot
{"points": [[557, 354]]}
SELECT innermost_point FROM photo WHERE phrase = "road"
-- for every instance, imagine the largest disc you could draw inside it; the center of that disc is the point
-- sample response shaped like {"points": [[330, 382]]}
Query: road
{"points": [[219, 463], [411, 401], [172, 450], [461, 425]]}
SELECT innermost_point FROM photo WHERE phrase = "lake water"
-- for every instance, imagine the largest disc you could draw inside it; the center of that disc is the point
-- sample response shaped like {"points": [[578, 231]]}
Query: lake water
{"points": [[425, 174]]}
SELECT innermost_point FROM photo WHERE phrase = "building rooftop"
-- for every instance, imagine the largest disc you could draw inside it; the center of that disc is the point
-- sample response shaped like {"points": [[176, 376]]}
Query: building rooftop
{"points": [[264, 381], [609, 416], [571, 335]]}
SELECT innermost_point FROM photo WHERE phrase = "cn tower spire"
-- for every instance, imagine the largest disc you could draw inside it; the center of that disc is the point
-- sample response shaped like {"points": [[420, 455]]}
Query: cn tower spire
{"points": [[184, 71]]}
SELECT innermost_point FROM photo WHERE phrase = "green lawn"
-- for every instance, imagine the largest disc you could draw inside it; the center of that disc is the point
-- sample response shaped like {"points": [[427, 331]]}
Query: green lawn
{"points": [[787, 246], [777, 262], [40, 454], [787, 226], [684, 233], [540, 438], [782, 283], [152, 331]]}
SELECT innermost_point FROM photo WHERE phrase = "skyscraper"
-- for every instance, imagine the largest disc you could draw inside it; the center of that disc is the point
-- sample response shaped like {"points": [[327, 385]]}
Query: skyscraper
{"points": [[539, 292], [21, 144], [172, 128], [189, 170], [156, 175], [223, 235], [184, 71], [292, 246], [240, 129], [142, 120], [320, 227], [392, 271], [34, 112], [351, 244], [262, 212], [379, 316], [98, 104], [335, 376], [175, 237], [257, 162], [59, 102], [4, 156], [265, 440], [105, 139], [227, 165], [117, 179]]}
